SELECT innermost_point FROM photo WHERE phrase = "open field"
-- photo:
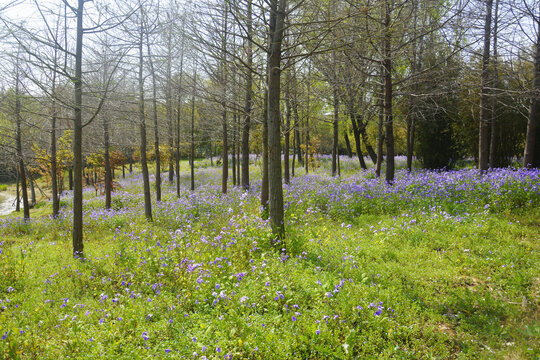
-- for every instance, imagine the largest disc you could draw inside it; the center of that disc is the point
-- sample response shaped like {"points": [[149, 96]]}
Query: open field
{"points": [[440, 265]]}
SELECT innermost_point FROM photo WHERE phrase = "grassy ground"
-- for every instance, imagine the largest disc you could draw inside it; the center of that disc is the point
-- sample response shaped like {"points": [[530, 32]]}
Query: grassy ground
{"points": [[366, 271]]}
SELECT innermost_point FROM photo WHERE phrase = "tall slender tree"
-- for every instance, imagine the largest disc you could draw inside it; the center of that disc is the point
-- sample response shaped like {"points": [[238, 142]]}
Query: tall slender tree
{"points": [[142, 119], [192, 132], [248, 96], [18, 137], [223, 80], [276, 29], [153, 75], [388, 114], [77, 232], [530, 157], [483, 134], [495, 81]]}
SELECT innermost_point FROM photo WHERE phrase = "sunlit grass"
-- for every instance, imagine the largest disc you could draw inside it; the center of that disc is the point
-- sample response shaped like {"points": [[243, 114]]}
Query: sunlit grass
{"points": [[431, 267]]}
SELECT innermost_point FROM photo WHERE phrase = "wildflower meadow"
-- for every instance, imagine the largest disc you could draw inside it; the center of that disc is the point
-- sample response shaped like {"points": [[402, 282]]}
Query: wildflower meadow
{"points": [[441, 264]]}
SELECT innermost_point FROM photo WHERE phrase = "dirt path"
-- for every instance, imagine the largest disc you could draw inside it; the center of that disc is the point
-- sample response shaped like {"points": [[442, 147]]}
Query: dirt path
{"points": [[7, 204]]}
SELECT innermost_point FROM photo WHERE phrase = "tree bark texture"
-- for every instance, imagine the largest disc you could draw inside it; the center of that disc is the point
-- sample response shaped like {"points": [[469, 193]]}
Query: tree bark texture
{"points": [[335, 124], [249, 95], [493, 161], [169, 106], [108, 172], [233, 150], [347, 144], [142, 131], [277, 18], [483, 135], [54, 164], [178, 118], [530, 156], [286, 173], [77, 232], [192, 150], [264, 182], [357, 140], [225, 142], [388, 116], [155, 117]]}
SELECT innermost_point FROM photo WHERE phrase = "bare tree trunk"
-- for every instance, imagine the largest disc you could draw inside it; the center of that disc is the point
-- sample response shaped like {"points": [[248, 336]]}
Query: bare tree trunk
{"points": [[357, 141], [264, 183], [338, 165], [108, 173], [225, 143], [297, 140], [24, 190], [54, 164], [296, 128], [178, 114], [293, 153], [411, 127], [296, 125], [411, 115], [177, 150], [493, 141], [32, 189], [530, 156], [142, 129], [365, 140], [54, 168], [306, 163], [155, 117], [306, 160], [388, 118], [238, 150], [18, 197], [77, 232], [60, 183], [247, 121], [380, 135], [336, 131], [233, 150], [192, 150], [483, 138], [247, 107], [70, 177], [106, 140], [411, 132], [169, 106], [277, 17], [286, 175], [347, 144], [224, 151], [249, 92]]}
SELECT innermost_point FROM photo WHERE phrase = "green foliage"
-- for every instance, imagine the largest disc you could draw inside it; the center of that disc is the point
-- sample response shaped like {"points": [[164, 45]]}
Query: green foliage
{"points": [[436, 147], [64, 157]]}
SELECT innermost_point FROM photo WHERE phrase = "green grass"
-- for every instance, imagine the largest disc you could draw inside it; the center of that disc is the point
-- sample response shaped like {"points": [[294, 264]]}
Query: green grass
{"points": [[465, 285]]}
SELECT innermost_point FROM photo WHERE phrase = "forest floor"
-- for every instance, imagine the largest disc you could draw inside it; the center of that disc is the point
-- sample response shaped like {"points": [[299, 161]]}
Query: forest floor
{"points": [[439, 265]]}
